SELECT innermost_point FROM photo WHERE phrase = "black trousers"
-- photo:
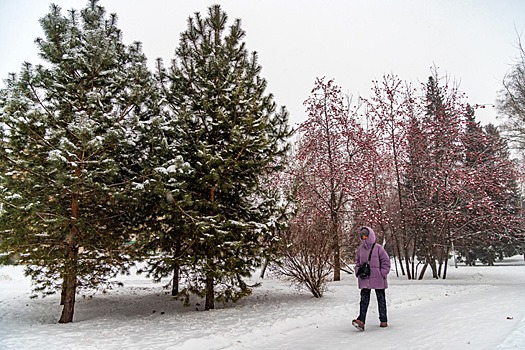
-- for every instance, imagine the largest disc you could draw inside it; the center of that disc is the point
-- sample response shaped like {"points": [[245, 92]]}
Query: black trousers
{"points": [[365, 301]]}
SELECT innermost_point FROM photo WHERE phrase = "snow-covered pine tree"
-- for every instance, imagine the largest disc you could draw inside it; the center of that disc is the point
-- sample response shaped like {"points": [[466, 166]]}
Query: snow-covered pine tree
{"points": [[71, 148], [158, 215], [230, 133], [493, 217], [505, 191]]}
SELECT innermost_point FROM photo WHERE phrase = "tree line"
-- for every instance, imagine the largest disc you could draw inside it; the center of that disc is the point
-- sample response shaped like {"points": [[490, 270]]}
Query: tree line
{"points": [[192, 170], [413, 163], [105, 163]]}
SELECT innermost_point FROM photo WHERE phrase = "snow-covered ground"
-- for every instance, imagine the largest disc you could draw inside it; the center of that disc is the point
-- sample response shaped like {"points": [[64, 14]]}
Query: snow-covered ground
{"points": [[476, 307]]}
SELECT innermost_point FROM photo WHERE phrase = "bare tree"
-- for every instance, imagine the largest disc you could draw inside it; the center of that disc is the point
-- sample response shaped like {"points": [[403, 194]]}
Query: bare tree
{"points": [[306, 253], [511, 103]]}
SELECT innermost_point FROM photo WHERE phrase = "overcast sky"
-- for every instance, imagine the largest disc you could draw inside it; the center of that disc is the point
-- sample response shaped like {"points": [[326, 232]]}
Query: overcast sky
{"points": [[474, 42]]}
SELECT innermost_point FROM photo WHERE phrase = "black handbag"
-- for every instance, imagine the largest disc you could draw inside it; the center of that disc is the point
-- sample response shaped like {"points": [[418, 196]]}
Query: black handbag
{"points": [[364, 269]]}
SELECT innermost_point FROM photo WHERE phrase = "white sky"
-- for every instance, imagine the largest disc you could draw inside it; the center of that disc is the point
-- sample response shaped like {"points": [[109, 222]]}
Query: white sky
{"points": [[353, 41]]}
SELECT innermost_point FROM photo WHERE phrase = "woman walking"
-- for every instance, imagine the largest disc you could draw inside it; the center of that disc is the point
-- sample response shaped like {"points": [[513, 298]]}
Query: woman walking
{"points": [[379, 263]]}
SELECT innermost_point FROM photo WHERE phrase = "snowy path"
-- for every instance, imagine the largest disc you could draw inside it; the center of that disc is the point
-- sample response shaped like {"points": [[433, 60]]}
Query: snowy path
{"points": [[476, 320]]}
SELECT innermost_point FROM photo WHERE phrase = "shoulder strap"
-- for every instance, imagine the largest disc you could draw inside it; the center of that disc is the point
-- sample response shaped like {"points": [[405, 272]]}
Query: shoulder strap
{"points": [[371, 250]]}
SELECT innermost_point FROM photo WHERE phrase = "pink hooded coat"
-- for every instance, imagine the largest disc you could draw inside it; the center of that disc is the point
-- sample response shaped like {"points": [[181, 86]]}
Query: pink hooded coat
{"points": [[379, 263]]}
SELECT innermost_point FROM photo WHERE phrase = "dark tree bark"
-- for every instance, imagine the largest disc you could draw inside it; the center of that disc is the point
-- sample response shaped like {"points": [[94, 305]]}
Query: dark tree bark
{"points": [[210, 296], [175, 285]]}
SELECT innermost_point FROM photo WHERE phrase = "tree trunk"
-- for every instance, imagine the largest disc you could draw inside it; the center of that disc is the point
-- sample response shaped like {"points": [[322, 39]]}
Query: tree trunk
{"points": [[445, 270], [264, 267], [414, 250], [439, 257], [334, 218], [210, 295], [337, 261], [70, 287], [69, 284], [422, 274], [394, 254], [63, 294], [175, 284], [399, 255], [434, 268], [407, 262], [413, 272], [401, 206]]}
